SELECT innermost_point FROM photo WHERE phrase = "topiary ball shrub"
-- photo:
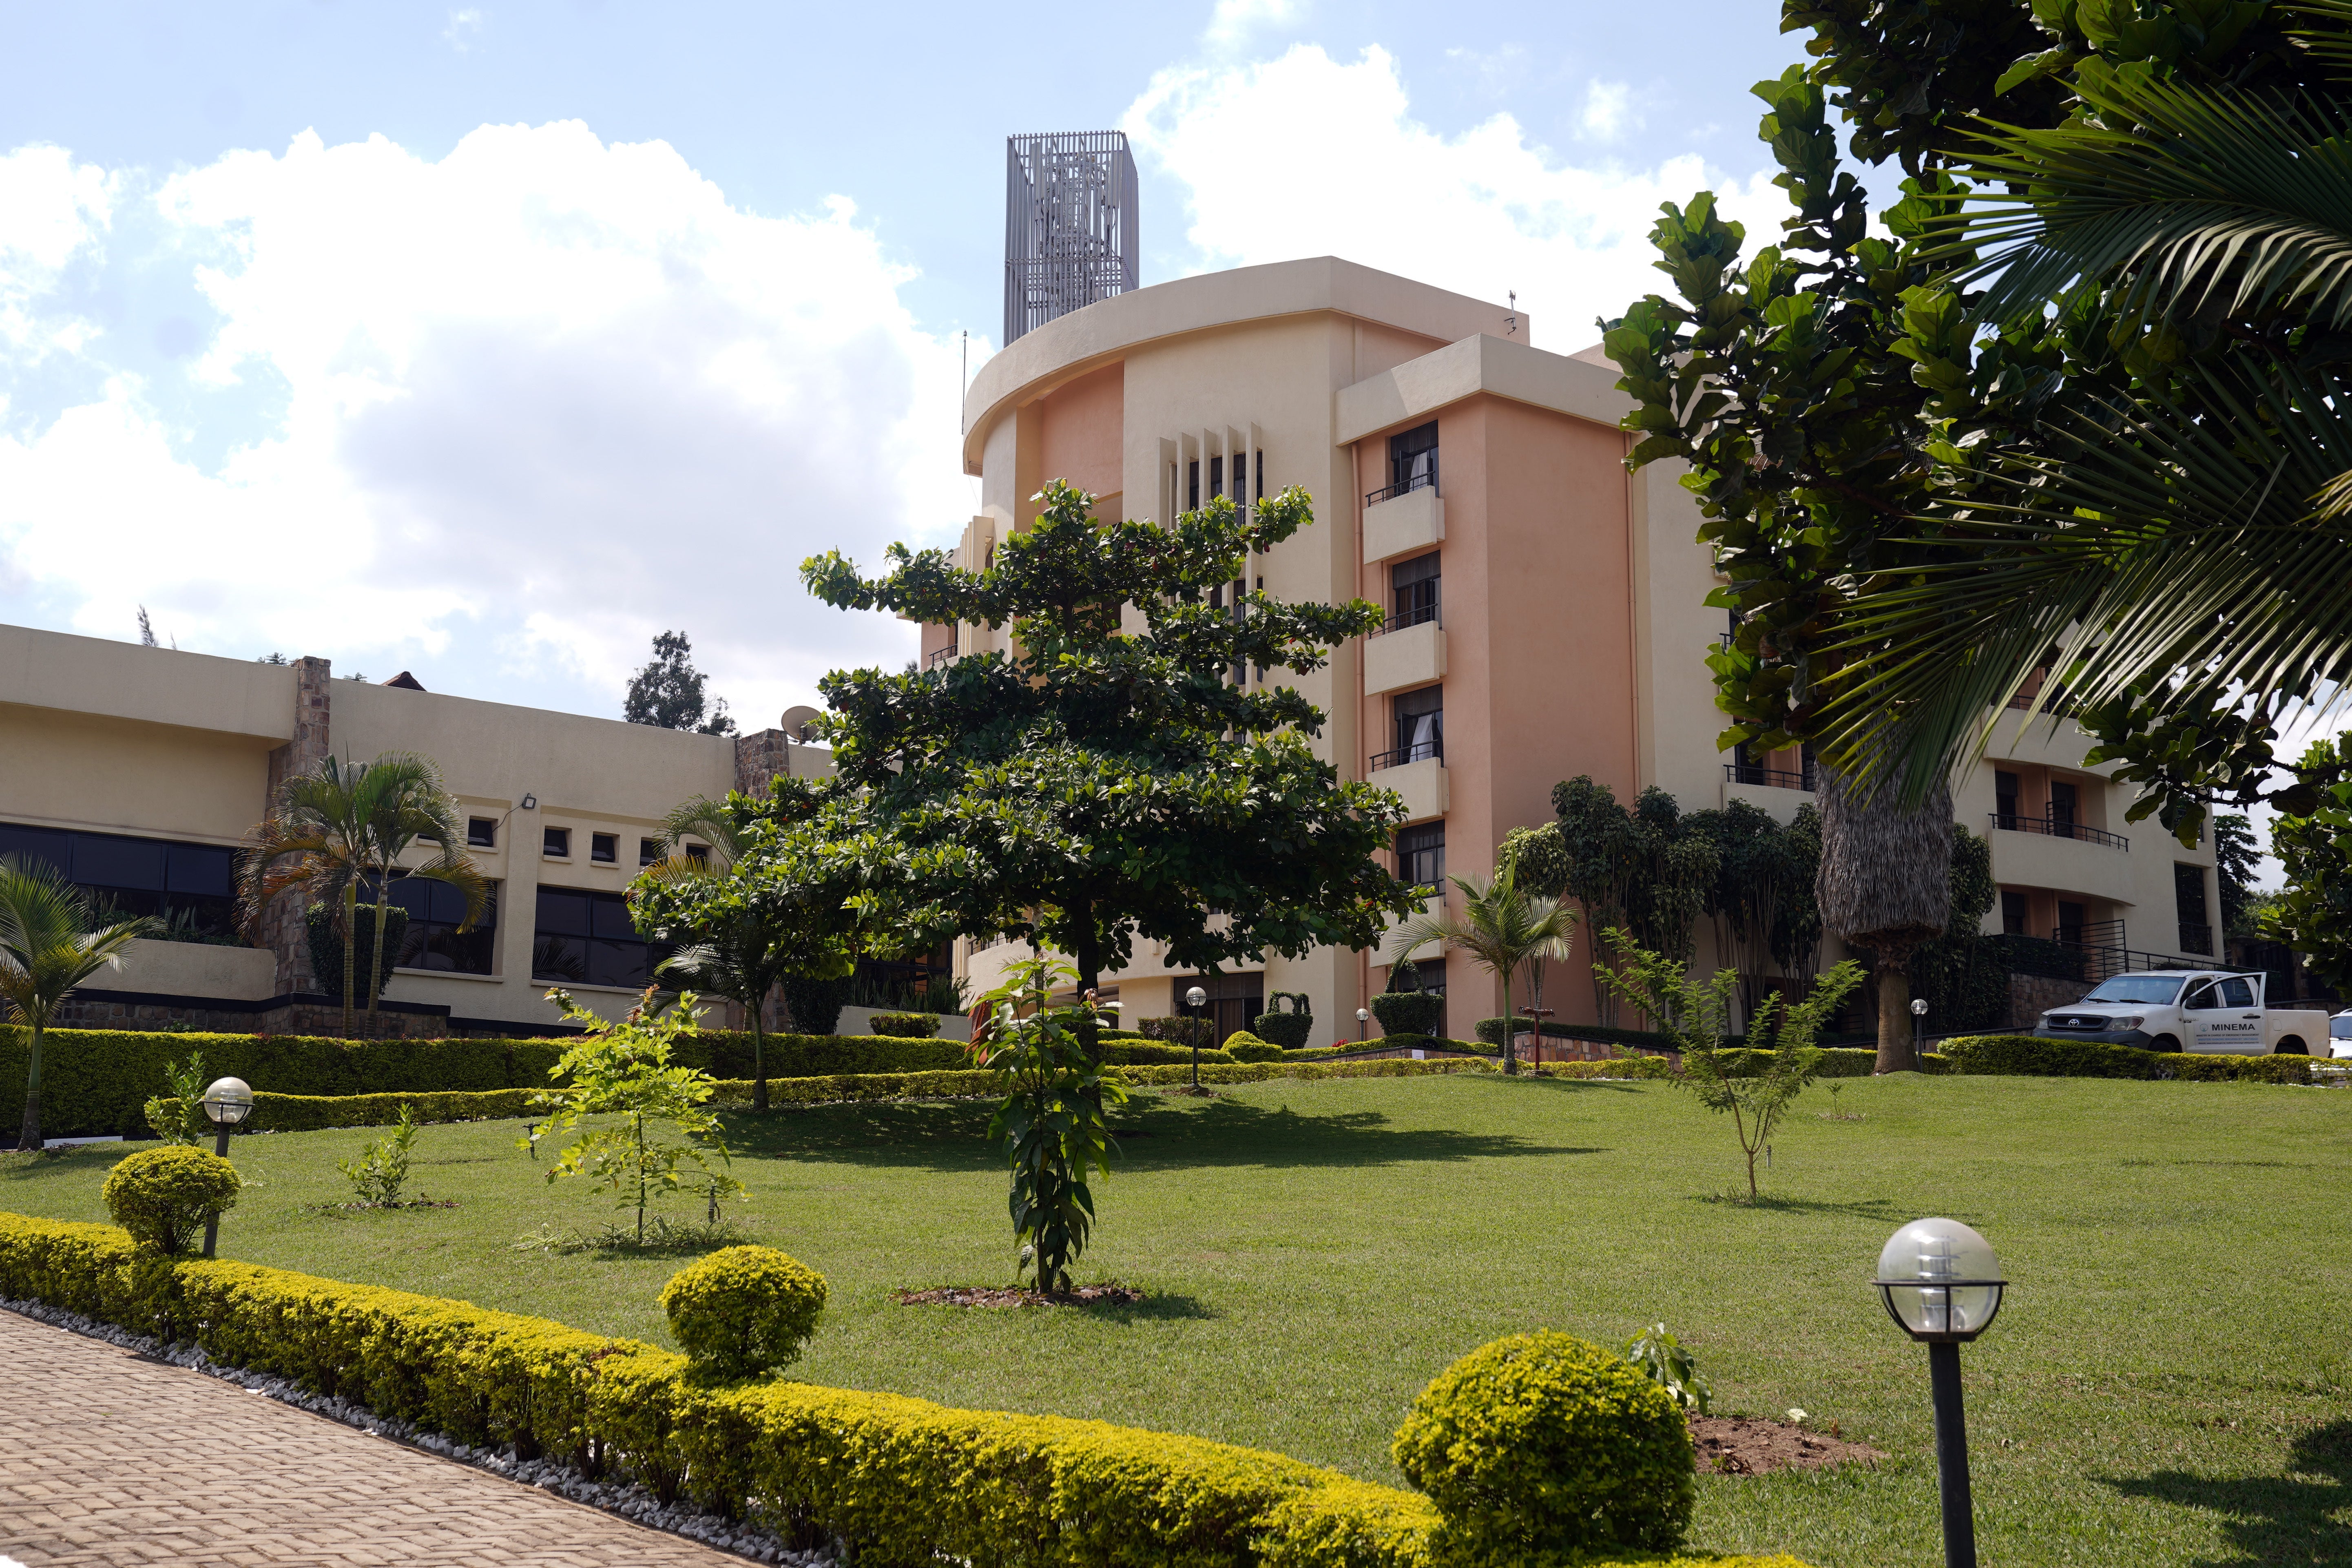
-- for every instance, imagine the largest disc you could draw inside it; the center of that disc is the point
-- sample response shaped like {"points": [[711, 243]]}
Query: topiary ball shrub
{"points": [[1408, 1012], [1287, 1026], [906, 1025], [1246, 1047], [742, 1310], [163, 1196], [1541, 1447]]}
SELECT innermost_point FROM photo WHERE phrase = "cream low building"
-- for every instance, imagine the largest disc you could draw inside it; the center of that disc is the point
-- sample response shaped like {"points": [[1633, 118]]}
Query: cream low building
{"points": [[137, 770], [1546, 608]]}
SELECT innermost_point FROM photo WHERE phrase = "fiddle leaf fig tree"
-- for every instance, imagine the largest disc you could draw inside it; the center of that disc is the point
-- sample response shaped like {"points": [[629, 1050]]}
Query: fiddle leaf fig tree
{"points": [[1108, 779]]}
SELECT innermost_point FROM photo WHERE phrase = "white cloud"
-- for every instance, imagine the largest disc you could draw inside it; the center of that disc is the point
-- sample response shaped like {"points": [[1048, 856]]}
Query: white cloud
{"points": [[51, 209], [1608, 112], [1305, 155], [538, 399], [1496, 71], [464, 26], [1233, 23]]}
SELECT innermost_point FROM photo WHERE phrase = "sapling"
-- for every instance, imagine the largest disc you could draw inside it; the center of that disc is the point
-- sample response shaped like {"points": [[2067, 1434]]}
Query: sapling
{"points": [[1697, 1015], [1667, 1362], [179, 1117], [382, 1169], [624, 1071]]}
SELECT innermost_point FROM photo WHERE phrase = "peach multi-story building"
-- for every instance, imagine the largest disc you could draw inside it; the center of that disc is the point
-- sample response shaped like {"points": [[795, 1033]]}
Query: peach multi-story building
{"points": [[1546, 608]]}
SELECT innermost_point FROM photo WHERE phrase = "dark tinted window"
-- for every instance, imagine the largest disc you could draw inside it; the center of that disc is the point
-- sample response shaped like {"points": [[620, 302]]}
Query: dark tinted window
{"points": [[604, 848], [1415, 584], [1421, 855], [199, 869], [482, 832], [649, 850], [1412, 457], [587, 939], [556, 841], [48, 846], [564, 911], [2014, 912], [1420, 724], [103, 861]]}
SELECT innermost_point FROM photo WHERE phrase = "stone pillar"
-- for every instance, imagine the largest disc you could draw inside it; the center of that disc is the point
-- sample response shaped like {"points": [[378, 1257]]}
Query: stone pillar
{"points": [[760, 760], [281, 926]]}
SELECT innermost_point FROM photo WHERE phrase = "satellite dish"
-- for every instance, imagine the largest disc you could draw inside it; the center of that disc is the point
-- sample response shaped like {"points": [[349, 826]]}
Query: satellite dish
{"points": [[796, 721]]}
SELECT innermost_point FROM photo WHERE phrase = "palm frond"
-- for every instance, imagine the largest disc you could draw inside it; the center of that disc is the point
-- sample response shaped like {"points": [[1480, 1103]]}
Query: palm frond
{"points": [[49, 942], [708, 819], [2219, 197]]}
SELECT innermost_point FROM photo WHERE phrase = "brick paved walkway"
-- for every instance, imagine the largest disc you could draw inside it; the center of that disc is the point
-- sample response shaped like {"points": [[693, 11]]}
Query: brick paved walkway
{"points": [[110, 1459]]}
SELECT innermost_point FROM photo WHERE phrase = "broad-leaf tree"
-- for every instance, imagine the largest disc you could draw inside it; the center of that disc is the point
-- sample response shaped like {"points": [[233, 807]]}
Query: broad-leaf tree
{"points": [[2312, 914], [1107, 780], [745, 925], [668, 692], [50, 942]]}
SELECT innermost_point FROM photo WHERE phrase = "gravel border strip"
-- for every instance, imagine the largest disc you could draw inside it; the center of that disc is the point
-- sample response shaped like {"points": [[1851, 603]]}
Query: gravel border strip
{"points": [[625, 1500]]}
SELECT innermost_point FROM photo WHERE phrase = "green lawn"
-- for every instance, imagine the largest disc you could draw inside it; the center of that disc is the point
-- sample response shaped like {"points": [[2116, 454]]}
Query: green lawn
{"points": [[2166, 1385]]}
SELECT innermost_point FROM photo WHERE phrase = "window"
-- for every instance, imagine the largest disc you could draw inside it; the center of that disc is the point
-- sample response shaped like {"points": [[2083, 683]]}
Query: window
{"points": [[1193, 485], [605, 849], [188, 886], [1421, 855], [699, 852], [2235, 991], [436, 911], [649, 851], [587, 938], [482, 832], [2061, 810], [1420, 726], [2072, 918], [1413, 459], [2189, 901], [556, 843], [2004, 798], [1235, 1000], [2014, 913], [1414, 585], [1433, 973]]}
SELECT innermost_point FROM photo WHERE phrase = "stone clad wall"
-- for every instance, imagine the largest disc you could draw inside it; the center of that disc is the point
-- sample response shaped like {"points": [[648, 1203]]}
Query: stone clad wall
{"points": [[281, 926]]}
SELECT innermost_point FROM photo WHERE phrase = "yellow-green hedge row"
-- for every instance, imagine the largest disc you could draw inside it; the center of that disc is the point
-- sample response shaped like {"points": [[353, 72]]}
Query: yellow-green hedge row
{"points": [[903, 1480]]}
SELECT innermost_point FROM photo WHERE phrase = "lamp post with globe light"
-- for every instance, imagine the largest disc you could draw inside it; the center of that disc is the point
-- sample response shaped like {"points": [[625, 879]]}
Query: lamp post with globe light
{"points": [[1919, 1024], [1941, 1283], [1196, 999], [1363, 1026], [228, 1102]]}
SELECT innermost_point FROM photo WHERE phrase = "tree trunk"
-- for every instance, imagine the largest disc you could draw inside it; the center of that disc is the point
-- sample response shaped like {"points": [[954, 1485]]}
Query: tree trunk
{"points": [[758, 1053], [29, 1137], [1087, 953], [375, 966], [1510, 1030], [350, 935], [1895, 1049]]}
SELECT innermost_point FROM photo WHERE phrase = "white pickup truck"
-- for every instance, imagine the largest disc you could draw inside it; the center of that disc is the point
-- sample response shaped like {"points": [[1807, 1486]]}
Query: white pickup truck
{"points": [[2188, 1010]]}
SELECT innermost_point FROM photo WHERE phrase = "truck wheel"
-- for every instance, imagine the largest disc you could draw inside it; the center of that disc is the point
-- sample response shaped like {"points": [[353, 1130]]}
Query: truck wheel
{"points": [[2166, 1045], [2292, 1045]]}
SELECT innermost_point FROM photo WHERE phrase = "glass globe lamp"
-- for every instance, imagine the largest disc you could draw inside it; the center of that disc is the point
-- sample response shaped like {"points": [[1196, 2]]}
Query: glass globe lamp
{"points": [[1940, 1281], [228, 1102]]}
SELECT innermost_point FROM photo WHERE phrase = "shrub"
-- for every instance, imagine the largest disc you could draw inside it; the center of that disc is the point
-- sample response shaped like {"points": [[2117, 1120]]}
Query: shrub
{"points": [[2029, 1056], [905, 1026], [1187, 1032], [179, 1117], [744, 1311], [1248, 1048], [815, 1004], [1408, 1012], [163, 1196], [900, 1480], [1289, 1029], [1542, 1447]]}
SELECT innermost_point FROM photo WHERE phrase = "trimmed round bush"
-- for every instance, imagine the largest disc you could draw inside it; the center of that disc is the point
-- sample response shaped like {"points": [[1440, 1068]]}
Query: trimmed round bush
{"points": [[1287, 1028], [1539, 1446], [1248, 1048], [1408, 1012], [163, 1196], [744, 1311], [906, 1025]]}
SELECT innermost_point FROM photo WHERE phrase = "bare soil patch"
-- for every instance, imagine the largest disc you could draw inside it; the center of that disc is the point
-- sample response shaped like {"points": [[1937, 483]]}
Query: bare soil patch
{"points": [[1730, 1446], [1009, 1296]]}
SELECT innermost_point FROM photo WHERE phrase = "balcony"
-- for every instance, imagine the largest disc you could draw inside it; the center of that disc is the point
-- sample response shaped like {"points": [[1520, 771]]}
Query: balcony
{"points": [[938, 656], [1770, 778], [1404, 657], [1418, 774], [1402, 521], [2057, 827]]}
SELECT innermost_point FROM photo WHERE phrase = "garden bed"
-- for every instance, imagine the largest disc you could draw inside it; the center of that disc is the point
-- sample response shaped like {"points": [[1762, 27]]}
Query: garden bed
{"points": [[1738, 1445]]}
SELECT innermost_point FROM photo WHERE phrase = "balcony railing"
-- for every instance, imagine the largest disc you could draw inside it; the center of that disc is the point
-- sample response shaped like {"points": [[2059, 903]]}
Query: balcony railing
{"points": [[1773, 778], [1426, 481], [938, 656], [2057, 827], [1425, 751], [1419, 615]]}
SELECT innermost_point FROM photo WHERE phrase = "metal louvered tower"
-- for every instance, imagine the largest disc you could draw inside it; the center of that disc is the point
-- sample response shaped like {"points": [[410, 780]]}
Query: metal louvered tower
{"points": [[1070, 230]]}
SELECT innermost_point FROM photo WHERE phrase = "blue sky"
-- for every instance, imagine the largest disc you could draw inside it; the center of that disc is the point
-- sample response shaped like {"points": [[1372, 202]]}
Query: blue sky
{"points": [[487, 341]]}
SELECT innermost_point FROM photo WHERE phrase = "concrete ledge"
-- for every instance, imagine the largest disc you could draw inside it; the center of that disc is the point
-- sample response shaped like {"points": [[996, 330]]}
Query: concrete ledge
{"points": [[1418, 388], [1414, 521], [1422, 786], [1410, 656]]}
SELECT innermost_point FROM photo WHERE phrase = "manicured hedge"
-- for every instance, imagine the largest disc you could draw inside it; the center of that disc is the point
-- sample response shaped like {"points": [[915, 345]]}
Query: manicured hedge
{"points": [[901, 1480], [96, 1081], [309, 1112], [2027, 1056]]}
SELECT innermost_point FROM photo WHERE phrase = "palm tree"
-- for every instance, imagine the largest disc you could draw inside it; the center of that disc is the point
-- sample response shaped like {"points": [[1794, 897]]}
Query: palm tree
{"points": [[2184, 551], [1884, 884], [49, 943], [1501, 928], [403, 800], [340, 823]]}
